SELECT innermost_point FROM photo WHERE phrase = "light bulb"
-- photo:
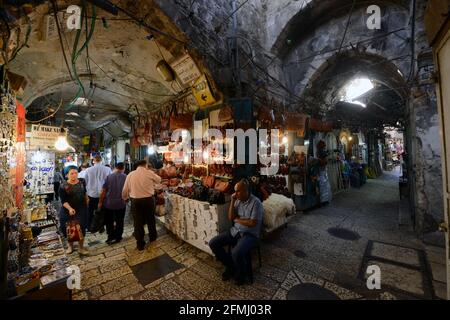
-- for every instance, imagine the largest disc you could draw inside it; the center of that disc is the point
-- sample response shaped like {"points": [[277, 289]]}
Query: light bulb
{"points": [[350, 139], [284, 140], [61, 143]]}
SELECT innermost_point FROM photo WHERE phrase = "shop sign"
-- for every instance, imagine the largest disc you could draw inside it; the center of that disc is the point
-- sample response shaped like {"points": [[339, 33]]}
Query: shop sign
{"points": [[202, 92], [44, 136], [186, 69], [85, 140]]}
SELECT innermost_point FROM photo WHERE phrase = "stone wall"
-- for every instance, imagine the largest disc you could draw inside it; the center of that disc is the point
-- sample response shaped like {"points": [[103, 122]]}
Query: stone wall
{"points": [[209, 26], [427, 158], [264, 27]]}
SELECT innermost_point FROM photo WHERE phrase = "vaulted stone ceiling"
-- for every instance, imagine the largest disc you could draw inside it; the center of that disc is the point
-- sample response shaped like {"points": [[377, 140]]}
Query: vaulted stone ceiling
{"points": [[119, 74]]}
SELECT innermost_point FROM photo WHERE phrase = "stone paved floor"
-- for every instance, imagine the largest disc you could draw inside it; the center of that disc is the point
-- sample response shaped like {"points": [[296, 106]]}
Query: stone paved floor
{"points": [[329, 262]]}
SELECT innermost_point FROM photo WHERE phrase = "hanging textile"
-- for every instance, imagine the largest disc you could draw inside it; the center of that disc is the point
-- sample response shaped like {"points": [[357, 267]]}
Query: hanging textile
{"points": [[324, 186]]}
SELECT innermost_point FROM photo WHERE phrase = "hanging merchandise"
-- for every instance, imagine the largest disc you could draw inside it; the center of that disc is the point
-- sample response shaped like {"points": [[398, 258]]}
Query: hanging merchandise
{"points": [[8, 140], [280, 120], [181, 117], [320, 126], [296, 122], [225, 114], [324, 186], [142, 132], [266, 115], [39, 172]]}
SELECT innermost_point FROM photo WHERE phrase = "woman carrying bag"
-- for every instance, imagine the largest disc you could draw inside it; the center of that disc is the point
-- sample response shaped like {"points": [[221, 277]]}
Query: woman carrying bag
{"points": [[73, 214]]}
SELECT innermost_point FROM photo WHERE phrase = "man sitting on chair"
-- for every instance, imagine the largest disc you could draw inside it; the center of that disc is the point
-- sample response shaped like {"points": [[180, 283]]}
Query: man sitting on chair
{"points": [[246, 211]]}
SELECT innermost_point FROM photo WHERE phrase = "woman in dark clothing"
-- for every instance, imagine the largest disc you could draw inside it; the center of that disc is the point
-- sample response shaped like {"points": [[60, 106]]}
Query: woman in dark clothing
{"points": [[74, 205]]}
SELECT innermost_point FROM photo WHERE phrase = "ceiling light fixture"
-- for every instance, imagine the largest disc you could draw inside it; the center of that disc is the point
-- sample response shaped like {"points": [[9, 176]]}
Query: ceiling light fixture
{"points": [[80, 102], [151, 150], [61, 143]]}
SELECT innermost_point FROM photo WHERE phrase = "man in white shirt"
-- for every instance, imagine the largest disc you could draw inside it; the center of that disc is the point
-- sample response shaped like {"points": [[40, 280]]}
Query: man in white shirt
{"points": [[140, 189], [95, 177], [82, 173]]}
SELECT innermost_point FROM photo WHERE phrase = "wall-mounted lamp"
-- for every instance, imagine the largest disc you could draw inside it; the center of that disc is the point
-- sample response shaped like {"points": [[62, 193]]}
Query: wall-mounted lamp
{"points": [[165, 70]]}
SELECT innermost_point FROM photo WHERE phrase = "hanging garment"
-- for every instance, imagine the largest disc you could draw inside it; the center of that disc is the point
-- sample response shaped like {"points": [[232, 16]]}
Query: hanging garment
{"points": [[324, 187], [298, 189], [333, 175]]}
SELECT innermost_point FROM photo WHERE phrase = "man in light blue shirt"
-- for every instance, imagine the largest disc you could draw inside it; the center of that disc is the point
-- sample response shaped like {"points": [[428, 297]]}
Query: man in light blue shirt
{"points": [[246, 211], [95, 177]]}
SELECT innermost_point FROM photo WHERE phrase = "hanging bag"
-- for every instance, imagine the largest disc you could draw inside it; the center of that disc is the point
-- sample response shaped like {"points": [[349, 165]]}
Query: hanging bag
{"points": [[222, 186], [181, 117], [73, 230], [296, 121], [226, 114], [266, 114]]}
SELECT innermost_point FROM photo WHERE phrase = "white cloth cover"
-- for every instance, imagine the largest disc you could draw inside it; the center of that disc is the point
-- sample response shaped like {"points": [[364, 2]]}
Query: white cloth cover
{"points": [[276, 209]]}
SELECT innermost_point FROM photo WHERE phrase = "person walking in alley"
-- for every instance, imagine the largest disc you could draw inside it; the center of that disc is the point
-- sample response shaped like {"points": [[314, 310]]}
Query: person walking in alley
{"points": [[139, 188], [112, 203], [246, 211], [95, 177], [74, 206]]}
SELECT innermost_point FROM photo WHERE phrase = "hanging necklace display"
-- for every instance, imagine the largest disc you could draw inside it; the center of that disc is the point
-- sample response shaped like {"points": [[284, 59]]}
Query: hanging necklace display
{"points": [[7, 151], [39, 172]]}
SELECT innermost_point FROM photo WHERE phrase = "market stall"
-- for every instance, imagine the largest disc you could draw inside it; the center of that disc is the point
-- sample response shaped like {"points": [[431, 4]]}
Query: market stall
{"points": [[194, 197], [33, 260]]}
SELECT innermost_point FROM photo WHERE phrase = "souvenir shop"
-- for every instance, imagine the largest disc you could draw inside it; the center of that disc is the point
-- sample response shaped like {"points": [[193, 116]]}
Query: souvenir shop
{"points": [[316, 160], [199, 167], [32, 253], [194, 197]]}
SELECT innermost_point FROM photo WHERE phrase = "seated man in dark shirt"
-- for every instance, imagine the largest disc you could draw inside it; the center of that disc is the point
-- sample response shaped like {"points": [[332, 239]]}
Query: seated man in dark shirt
{"points": [[246, 211]]}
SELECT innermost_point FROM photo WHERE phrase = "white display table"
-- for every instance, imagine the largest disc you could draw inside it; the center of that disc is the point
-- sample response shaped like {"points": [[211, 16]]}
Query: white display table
{"points": [[195, 222]]}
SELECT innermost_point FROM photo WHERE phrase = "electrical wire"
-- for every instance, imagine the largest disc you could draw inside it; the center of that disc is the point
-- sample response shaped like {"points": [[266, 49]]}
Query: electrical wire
{"points": [[141, 22], [55, 14], [88, 64], [413, 36], [118, 93], [76, 53], [160, 52], [131, 87], [300, 99], [49, 116], [320, 53], [218, 27], [403, 57], [346, 27]]}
